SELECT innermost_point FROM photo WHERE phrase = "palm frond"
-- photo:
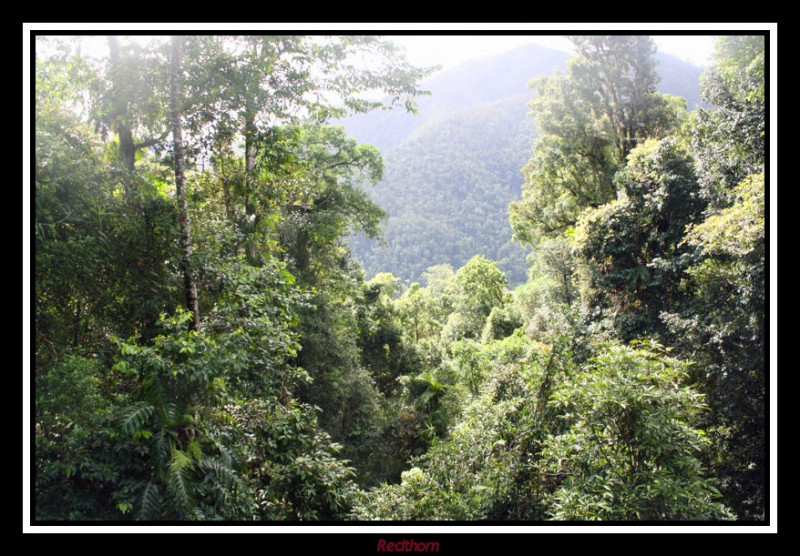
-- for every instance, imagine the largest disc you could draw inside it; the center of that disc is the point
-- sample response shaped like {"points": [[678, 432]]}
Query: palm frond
{"points": [[223, 473], [135, 415], [178, 483], [178, 487], [151, 503], [161, 449]]}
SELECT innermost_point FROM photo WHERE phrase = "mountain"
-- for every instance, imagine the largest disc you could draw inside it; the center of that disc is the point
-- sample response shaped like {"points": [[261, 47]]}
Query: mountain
{"points": [[447, 189], [451, 170], [679, 78], [470, 84]]}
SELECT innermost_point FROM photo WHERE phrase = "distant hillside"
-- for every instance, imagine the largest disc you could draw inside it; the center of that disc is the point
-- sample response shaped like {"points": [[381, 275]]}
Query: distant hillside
{"points": [[452, 170], [470, 84], [447, 190], [679, 78]]}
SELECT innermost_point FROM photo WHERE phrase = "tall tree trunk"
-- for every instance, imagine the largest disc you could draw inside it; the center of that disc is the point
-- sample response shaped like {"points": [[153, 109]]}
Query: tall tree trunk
{"points": [[250, 152], [250, 131], [119, 111], [251, 218], [189, 284]]}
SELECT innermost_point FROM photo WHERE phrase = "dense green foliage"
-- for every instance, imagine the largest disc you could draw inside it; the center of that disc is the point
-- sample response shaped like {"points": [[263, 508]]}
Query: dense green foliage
{"points": [[142, 412], [207, 347], [590, 119], [452, 170], [447, 189], [547, 440], [633, 243]]}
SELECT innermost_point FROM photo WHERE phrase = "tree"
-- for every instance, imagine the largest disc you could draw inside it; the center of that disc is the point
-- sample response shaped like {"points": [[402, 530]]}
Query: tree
{"points": [[175, 421], [590, 120], [633, 245], [189, 284], [723, 323], [729, 139], [481, 286], [322, 200], [100, 262], [629, 451], [255, 83], [383, 350], [305, 383], [132, 100], [616, 74], [723, 328], [545, 438], [477, 288]]}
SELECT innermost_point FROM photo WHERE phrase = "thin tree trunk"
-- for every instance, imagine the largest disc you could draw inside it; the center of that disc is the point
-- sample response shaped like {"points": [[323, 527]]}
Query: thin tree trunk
{"points": [[250, 153], [250, 131], [251, 222], [189, 284], [119, 112]]}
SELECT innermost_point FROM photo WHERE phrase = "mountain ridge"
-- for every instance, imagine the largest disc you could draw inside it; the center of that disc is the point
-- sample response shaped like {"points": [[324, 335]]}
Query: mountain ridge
{"points": [[451, 170]]}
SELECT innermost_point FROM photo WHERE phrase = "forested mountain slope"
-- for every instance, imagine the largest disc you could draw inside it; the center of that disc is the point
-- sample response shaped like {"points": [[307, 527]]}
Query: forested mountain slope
{"points": [[447, 190], [476, 82], [205, 346], [452, 169]]}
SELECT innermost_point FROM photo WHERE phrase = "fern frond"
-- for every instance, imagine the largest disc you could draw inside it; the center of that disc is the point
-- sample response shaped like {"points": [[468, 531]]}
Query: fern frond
{"points": [[227, 458], [231, 494], [225, 453], [227, 477], [151, 503], [161, 449], [135, 415], [180, 461], [193, 448], [153, 391], [170, 412], [178, 487], [178, 483]]}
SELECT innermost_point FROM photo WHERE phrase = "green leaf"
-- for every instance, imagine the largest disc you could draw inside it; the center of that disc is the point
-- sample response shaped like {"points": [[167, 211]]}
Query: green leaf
{"points": [[150, 503], [135, 416]]}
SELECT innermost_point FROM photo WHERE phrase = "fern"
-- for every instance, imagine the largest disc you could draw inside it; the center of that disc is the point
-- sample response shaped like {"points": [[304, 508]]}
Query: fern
{"points": [[230, 495], [227, 477], [154, 393], [177, 486], [180, 461], [136, 415], [221, 494], [193, 448], [151, 387], [161, 449], [151, 503], [169, 413], [227, 458]]}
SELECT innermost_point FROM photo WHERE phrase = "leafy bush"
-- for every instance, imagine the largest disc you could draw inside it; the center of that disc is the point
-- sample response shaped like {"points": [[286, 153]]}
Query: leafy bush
{"points": [[611, 441], [628, 450]]}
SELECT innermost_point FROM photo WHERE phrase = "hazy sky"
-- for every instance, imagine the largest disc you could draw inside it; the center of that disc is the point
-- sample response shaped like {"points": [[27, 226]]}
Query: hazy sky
{"points": [[440, 43], [450, 50]]}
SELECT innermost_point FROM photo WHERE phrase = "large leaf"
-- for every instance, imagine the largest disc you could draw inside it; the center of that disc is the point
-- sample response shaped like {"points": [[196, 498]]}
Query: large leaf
{"points": [[135, 415]]}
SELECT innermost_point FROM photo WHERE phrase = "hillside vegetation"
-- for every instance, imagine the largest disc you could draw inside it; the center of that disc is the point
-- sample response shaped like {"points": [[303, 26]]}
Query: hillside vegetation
{"points": [[452, 169], [206, 347]]}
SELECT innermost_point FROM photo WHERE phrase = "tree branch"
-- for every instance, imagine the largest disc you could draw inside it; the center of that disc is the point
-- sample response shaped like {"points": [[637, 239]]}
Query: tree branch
{"points": [[151, 142]]}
